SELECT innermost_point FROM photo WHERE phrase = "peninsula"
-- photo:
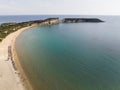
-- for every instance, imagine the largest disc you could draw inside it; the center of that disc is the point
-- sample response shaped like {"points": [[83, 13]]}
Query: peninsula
{"points": [[7, 28]]}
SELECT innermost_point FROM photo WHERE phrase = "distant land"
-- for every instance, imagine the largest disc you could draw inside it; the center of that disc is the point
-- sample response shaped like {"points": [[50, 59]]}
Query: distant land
{"points": [[7, 28], [78, 20]]}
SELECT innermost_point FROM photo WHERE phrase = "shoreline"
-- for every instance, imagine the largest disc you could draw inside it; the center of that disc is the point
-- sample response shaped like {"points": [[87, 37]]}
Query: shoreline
{"points": [[12, 75], [11, 78]]}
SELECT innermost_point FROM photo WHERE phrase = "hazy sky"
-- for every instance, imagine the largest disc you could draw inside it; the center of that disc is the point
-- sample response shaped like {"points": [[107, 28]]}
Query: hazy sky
{"points": [[99, 7]]}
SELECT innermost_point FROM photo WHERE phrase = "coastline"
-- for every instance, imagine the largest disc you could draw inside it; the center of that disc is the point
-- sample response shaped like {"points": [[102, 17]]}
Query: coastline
{"points": [[11, 78], [12, 75]]}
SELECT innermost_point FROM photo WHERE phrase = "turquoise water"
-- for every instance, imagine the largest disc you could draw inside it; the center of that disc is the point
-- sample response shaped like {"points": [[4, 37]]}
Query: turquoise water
{"points": [[82, 56]]}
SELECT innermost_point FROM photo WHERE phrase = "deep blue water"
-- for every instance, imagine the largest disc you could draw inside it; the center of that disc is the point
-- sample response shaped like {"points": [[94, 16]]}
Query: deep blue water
{"points": [[77, 56], [21, 18]]}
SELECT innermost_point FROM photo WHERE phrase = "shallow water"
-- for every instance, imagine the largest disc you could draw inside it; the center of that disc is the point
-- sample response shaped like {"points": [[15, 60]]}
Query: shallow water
{"points": [[84, 56]]}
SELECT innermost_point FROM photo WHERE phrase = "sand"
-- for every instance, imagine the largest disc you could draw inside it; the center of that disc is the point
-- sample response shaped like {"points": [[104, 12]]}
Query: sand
{"points": [[10, 79]]}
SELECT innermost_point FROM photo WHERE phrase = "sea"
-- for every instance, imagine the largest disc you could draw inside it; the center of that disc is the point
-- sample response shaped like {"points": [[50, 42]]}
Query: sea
{"points": [[70, 56]]}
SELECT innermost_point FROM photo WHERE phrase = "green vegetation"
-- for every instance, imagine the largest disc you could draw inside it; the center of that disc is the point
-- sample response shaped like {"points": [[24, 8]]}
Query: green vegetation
{"points": [[7, 28]]}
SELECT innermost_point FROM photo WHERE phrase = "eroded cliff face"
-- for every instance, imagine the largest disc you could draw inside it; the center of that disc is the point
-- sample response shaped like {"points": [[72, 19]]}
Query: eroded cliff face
{"points": [[50, 21]]}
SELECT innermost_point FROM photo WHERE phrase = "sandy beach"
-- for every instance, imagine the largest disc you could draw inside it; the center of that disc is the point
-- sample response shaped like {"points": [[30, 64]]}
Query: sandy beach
{"points": [[10, 78]]}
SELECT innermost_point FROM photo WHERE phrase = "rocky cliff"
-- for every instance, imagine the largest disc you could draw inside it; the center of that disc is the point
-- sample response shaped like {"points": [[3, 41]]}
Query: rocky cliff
{"points": [[79, 20]]}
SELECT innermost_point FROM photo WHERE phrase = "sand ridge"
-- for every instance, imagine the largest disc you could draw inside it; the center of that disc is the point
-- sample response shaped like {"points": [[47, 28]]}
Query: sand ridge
{"points": [[9, 78]]}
